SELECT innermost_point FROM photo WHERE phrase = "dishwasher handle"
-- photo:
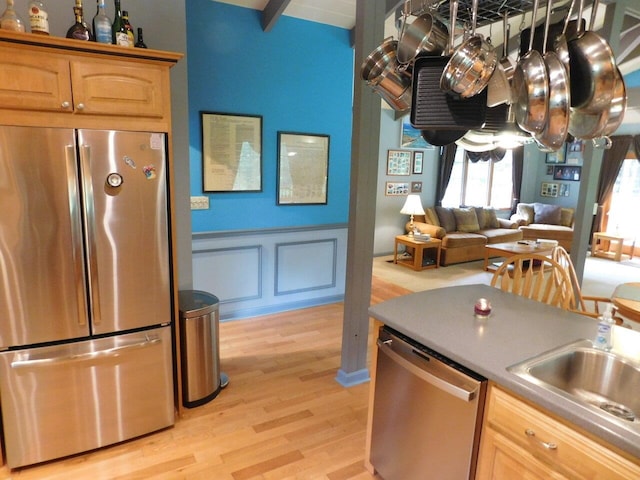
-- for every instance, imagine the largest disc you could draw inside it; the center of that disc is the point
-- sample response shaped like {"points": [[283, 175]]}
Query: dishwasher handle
{"points": [[461, 391]]}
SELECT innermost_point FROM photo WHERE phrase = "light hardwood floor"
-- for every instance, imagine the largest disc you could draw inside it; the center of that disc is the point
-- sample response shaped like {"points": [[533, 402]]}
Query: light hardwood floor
{"points": [[282, 416]]}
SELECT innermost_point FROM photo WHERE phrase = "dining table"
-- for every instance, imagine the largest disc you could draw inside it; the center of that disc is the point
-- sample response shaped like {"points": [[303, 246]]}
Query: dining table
{"points": [[626, 298]]}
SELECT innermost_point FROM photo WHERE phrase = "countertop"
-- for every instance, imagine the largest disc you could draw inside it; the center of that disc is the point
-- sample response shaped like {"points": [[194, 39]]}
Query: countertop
{"points": [[517, 329]]}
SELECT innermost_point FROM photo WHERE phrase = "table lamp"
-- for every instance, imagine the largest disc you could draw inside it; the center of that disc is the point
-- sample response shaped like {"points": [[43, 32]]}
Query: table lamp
{"points": [[412, 206]]}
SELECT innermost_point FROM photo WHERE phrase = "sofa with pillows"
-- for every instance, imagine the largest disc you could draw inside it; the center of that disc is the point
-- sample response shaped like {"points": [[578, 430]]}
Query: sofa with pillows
{"points": [[464, 232], [544, 221]]}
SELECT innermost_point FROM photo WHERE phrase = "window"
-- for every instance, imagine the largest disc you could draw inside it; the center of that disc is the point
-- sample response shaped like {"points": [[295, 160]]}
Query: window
{"points": [[623, 217], [480, 184]]}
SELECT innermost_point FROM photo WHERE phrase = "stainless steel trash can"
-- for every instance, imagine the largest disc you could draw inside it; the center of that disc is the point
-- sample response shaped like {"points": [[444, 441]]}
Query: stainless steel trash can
{"points": [[199, 347]]}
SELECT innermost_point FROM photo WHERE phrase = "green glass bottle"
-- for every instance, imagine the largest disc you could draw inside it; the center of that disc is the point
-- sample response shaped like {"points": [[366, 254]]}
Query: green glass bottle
{"points": [[118, 29]]}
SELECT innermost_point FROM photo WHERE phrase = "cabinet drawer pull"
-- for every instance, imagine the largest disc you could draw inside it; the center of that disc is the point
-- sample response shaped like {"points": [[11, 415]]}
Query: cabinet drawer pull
{"points": [[66, 104], [548, 445], [80, 106]]}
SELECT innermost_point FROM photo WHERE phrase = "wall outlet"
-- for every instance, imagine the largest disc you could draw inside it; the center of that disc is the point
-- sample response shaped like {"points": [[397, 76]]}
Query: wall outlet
{"points": [[199, 203]]}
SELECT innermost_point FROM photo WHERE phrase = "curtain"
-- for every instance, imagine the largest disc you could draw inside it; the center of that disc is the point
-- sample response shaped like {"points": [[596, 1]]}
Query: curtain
{"points": [[494, 155], [517, 159], [636, 146], [611, 163], [445, 167]]}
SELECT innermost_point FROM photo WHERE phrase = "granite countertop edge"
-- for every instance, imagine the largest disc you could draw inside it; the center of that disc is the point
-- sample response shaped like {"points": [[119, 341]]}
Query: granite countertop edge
{"points": [[517, 329]]}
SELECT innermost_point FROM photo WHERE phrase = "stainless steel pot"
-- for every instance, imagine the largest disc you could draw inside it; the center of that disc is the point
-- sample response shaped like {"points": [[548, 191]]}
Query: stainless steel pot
{"points": [[592, 66], [531, 86], [470, 67], [499, 89], [382, 73], [425, 35]]}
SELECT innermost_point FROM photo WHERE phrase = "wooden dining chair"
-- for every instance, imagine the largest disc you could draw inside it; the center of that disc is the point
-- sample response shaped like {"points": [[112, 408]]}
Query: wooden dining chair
{"points": [[591, 306], [537, 277]]}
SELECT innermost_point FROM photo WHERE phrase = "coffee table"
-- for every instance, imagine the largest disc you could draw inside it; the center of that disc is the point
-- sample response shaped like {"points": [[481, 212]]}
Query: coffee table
{"points": [[419, 246], [614, 251], [509, 249]]}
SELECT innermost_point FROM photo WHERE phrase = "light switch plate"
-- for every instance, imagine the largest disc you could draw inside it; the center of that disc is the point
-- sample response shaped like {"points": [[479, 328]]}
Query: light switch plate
{"points": [[199, 203]]}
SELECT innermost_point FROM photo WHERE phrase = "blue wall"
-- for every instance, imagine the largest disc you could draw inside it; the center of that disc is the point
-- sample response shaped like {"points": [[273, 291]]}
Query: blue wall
{"points": [[298, 77]]}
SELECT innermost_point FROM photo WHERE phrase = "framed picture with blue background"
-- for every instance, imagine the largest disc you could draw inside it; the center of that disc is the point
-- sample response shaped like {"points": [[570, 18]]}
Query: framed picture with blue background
{"points": [[411, 137]]}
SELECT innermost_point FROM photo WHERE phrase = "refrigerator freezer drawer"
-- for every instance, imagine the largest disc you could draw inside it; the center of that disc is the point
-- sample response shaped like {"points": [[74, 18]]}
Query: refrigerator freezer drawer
{"points": [[73, 397]]}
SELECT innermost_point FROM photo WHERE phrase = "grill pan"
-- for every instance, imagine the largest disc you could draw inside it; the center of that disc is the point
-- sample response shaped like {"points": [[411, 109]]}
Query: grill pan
{"points": [[434, 109]]}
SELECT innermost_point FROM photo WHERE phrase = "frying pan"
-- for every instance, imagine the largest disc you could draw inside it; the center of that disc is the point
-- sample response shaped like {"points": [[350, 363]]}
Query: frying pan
{"points": [[499, 89], [592, 66], [472, 64], [531, 86], [441, 117], [554, 133]]}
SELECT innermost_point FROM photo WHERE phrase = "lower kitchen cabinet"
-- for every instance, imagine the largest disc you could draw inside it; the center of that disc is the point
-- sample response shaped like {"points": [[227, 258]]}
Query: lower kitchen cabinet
{"points": [[521, 441]]}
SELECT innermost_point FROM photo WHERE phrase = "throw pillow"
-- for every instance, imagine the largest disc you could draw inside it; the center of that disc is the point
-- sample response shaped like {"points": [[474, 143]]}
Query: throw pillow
{"points": [[466, 219], [490, 218], [566, 217], [446, 218], [482, 217], [431, 217], [549, 214], [525, 211]]}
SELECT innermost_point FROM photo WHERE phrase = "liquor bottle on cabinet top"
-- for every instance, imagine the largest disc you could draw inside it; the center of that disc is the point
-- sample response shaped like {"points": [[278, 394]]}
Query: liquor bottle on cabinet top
{"points": [[118, 30], [38, 17], [140, 43], [102, 24], [128, 28], [10, 19], [79, 30]]}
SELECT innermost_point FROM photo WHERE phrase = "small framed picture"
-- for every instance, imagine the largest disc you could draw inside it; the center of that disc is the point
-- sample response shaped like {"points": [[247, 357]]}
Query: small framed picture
{"points": [[570, 173], [399, 162], [550, 170], [396, 188], [556, 157], [549, 189], [564, 190], [416, 187], [418, 158]]}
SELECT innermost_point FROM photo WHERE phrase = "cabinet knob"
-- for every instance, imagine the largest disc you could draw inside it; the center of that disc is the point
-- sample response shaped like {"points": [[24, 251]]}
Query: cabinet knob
{"points": [[80, 106], [65, 105]]}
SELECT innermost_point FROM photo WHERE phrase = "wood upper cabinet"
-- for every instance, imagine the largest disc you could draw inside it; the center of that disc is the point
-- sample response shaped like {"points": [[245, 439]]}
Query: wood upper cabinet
{"points": [[82, 80], [521, 441]]}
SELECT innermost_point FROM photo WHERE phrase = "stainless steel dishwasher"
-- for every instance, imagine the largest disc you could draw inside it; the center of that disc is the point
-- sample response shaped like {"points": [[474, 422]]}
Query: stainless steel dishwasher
{"points": [[427, 413]]}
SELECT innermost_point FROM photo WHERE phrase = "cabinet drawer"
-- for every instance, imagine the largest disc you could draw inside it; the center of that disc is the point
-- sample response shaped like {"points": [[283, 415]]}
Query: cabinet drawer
{"points": [[118, 88], [37, 81], [553, 442]]}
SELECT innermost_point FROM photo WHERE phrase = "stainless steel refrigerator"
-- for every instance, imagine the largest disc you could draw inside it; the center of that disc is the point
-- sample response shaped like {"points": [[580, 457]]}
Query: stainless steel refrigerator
{"points": [[85, 290]]}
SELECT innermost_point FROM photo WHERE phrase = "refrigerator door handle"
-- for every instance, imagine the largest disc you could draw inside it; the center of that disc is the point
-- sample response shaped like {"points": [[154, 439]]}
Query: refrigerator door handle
{"points": [[90, 224], [76, 234], [84, 357]]}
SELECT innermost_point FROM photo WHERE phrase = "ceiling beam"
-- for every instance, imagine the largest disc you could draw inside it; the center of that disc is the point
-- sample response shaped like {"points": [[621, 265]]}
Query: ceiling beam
{"points": [[272, 12]]}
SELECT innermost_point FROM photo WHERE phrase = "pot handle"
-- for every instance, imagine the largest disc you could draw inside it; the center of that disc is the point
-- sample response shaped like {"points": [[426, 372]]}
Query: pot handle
{"points": [[594, 10]]}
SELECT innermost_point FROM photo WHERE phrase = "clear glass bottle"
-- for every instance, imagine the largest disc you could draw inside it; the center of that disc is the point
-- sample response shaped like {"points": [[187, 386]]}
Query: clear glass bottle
{"points": [[10, 19], [140, 43], [118, 30], [38, 17], [79, 30], [102, 25], [128, 28]]}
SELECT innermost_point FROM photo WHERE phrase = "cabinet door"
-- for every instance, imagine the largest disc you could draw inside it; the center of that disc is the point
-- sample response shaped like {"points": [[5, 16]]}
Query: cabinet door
{"points": [[117, 88], [34, 81]]}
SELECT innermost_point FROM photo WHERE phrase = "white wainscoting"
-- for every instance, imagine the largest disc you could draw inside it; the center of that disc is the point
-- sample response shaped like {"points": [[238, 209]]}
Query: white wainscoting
{"points": [[273, 270]]}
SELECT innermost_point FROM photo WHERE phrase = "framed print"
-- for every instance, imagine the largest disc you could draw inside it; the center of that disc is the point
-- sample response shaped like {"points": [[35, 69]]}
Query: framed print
{"points": [[418, 158], [549, 189], [396, 188], [571, 173], [398, 162], [231, 152], [556, 157], [549, 169], [416, 187], [303, 168], [564, 190], [411, 137]]}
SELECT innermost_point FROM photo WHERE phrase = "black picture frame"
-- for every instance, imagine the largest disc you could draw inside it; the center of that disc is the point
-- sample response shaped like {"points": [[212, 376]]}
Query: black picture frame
{"points": [[303, 169], [571, 173], [231, 152]]}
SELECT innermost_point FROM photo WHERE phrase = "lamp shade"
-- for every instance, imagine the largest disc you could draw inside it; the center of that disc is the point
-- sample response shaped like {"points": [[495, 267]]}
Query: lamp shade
{"points": [[412, 206]]}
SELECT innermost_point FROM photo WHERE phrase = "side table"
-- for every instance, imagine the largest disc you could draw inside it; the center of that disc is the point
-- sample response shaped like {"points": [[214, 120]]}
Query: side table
{"points": [[614, 250], [419, 246]]}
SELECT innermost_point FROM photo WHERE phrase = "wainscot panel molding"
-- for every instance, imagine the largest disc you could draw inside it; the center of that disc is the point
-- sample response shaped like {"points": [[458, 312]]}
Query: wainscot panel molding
{"points": [[258, 272]]}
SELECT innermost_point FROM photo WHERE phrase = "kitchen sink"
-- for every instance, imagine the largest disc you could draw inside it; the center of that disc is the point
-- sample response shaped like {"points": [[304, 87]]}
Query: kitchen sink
{"points": [[606, 382]]}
